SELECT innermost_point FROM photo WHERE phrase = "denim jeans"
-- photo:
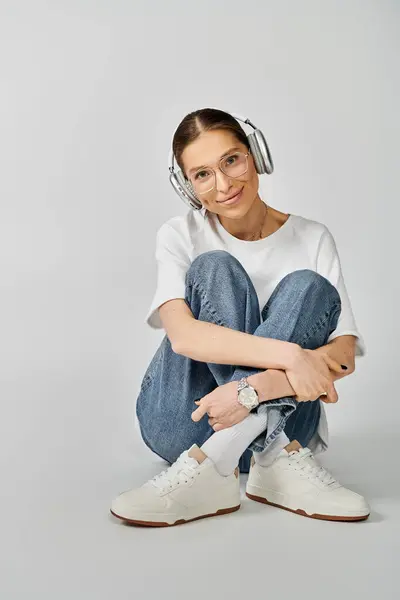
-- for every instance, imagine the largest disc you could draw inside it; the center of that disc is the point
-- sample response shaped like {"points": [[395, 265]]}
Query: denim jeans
{"points": [[304, 308]]}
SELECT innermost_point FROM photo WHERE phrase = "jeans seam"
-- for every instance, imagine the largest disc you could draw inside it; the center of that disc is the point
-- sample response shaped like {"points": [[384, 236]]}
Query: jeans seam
{"points": [[149, 377], [319, 324], [146, 382], [206, 304], [296, 418], [279, 428], [271, 438]]}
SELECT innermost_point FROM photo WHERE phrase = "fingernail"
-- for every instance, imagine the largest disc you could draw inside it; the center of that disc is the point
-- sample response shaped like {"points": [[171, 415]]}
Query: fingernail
{"points": [[344, 367]]}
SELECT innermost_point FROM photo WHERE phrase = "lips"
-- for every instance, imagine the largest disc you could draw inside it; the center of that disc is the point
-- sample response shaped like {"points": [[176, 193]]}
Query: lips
{"points": [[230, 197]]}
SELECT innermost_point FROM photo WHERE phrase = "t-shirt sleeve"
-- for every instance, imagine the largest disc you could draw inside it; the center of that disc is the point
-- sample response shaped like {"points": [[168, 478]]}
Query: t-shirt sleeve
{"points": [[328, 265], [172, 264]]}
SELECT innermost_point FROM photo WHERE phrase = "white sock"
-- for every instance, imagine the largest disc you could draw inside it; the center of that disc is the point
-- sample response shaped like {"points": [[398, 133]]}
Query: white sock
{"points": [[225, 447], [267, 457]]}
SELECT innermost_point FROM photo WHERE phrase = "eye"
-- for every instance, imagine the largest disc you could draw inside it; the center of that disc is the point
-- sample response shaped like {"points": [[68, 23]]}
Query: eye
{"points": [[230, 160], [201, 175]]}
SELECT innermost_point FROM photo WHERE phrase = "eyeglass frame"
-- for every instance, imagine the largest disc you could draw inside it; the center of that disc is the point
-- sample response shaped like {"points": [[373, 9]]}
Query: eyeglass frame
{"points": [[219, 168]]}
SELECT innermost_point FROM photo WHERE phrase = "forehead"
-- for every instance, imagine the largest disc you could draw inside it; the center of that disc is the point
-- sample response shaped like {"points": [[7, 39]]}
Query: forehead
{"points": [[208, 148]]}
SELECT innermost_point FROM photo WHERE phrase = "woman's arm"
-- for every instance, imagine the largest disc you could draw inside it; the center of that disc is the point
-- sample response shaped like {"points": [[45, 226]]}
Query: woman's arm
{"points": [[207, 342], [273, 383], [343, 350]]}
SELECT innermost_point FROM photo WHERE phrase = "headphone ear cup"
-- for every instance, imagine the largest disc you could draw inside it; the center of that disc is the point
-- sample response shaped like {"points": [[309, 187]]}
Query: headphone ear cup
{"points": [[184, 191], [260, 151]]}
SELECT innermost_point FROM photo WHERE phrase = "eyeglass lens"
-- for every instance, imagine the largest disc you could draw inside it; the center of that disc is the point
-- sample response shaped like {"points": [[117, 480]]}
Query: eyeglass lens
{"points": [[234, 165]]}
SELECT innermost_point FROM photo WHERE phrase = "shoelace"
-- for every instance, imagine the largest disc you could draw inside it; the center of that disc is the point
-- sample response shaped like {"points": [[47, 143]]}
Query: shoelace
{"points": [[304, 460], [182, 470]]}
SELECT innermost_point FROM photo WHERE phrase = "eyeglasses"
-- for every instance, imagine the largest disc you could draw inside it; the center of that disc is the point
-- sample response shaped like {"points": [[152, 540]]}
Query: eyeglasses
{"points": [[234, 165]]}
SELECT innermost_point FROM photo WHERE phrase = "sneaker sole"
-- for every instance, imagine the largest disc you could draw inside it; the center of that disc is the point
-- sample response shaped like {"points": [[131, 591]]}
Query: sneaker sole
{"points": [[222, 511], [303, 513]]}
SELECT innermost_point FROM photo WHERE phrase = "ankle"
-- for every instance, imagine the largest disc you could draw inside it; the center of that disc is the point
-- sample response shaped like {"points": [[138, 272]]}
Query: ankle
{"points": [[197, 453], [293, 446]]}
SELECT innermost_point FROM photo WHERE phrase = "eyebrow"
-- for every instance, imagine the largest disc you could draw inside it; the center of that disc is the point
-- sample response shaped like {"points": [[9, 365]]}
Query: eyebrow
{"points": [[222, 156]]}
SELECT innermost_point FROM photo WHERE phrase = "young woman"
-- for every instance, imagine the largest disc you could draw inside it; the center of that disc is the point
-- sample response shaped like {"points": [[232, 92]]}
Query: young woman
{"points": [[258, 327]]}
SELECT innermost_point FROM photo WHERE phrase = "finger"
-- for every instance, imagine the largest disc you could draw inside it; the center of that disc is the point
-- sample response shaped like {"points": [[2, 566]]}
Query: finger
{"points": [[332, 394], [212, 421], [200, 400], [333, 364], [199, 412], [218, 427]]}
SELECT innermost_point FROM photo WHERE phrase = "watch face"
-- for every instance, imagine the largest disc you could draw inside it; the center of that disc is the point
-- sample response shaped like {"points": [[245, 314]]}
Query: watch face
{"points": [[248, 397]]}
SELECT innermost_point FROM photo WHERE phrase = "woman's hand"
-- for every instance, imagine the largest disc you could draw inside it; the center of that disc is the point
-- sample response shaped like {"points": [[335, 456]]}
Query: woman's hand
{"points": [[222, 407], [310, 375]]}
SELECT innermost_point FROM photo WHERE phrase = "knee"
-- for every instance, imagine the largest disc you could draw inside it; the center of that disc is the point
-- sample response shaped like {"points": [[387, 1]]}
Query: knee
{"points": [[211, 262], [213, 259], [306, 279]]}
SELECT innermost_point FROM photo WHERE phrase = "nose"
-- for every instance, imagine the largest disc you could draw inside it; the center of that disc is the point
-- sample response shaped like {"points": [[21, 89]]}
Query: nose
{"points": [[222, 181]]}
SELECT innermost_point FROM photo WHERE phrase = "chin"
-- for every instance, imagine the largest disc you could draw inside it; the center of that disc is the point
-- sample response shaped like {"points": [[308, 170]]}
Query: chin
{"points": [[239, 211]]}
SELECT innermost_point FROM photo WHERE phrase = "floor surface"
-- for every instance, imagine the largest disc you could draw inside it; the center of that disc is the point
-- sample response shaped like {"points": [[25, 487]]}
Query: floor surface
{"points": [[59, 540]]}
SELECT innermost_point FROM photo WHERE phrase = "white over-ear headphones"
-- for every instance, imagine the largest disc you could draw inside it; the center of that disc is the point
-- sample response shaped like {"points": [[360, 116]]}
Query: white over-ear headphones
{"points": [[258, 148]]}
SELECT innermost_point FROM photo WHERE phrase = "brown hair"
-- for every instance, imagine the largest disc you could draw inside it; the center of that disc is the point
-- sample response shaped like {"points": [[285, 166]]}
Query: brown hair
{"points": [[204, 119]]}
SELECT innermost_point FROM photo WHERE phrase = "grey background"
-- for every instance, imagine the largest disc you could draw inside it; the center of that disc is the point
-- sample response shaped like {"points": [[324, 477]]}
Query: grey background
{"points": [[91, 92]]}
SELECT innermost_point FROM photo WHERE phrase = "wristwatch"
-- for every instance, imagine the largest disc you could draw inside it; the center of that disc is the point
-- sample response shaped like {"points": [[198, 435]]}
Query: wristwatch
{"points": [[247, 395]]}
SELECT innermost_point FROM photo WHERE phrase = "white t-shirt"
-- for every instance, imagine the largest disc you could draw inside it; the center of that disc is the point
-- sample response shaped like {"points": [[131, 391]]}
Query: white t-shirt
{"points": [[299, 243]]}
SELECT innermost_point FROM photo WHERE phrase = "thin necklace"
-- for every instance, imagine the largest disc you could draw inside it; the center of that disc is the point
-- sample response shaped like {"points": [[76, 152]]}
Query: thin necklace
{"points": [[253, 239]]}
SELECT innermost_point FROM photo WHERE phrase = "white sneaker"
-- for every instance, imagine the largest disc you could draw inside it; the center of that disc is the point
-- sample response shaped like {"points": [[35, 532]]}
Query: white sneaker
{"points": [[297, 483], [184, 492]]}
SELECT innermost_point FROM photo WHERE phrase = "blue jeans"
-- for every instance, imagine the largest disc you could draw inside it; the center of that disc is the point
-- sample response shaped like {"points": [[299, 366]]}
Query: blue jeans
{"points": [[304, 308]]}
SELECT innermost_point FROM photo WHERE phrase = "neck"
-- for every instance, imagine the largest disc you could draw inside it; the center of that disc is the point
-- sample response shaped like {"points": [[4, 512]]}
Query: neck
{"points": [[249, 225]]}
